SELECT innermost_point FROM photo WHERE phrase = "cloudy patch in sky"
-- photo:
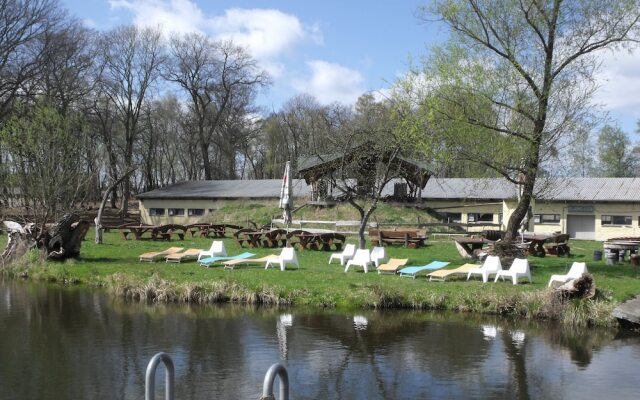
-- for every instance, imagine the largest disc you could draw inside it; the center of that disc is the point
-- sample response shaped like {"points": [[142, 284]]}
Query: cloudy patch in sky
{"points": [[619, 81], [271, 36], [330, 82]]}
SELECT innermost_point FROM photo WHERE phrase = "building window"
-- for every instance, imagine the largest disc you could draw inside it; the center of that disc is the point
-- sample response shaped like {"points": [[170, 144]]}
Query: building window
{"points": [[546, 219], [451, 217], [177, 212], [615, 220], [196, 212], [156, 212], [475, 218]]}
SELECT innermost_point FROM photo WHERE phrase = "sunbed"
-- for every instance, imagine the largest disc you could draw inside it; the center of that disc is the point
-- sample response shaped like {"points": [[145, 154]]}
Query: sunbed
{"points": [[156, 255], [189, 254], [206, 262], [413, 271], [392, 266], [443, 274], [231, 264]]}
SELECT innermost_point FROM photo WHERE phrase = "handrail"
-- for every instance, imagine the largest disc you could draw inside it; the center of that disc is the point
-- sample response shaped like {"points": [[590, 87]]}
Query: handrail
{"points": [[269, 378], [150, 382]]}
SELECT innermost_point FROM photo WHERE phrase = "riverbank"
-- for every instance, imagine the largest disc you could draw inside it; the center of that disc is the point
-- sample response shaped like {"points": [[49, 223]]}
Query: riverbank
{"points": [[114, 266]]}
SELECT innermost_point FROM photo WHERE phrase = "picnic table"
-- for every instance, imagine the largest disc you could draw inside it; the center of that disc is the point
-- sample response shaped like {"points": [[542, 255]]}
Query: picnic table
{"points": [[468, 246], [319, 240], [537, 242], [136, 230]]}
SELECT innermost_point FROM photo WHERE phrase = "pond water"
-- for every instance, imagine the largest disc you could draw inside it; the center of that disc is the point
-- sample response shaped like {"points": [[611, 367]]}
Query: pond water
{"points": [[69, 343]]}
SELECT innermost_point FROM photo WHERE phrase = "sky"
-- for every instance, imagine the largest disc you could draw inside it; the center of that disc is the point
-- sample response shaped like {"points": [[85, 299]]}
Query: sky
{"points": [[334, 50]]}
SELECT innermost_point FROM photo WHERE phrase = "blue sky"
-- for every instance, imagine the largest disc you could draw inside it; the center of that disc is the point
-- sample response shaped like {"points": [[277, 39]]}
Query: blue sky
{"points": [[334, 50]]}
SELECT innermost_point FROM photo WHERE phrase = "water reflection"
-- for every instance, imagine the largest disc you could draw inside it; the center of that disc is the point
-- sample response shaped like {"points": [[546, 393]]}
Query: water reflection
{"points": [[76, 344]]}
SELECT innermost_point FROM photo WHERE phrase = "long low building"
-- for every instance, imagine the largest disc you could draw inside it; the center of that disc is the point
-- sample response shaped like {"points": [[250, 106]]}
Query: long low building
{"points": [[586, 208]]}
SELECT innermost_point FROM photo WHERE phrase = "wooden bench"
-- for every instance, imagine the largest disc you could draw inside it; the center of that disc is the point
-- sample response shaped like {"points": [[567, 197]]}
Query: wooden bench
{"points": [[411, 238]]}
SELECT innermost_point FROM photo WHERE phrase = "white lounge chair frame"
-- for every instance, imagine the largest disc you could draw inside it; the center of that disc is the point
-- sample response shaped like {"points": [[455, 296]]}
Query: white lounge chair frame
{"points": [[216, 249], [362, 258], [519, 269], [575, 272], [287, 256], [378, 255], [490, 266], [346, 254]]}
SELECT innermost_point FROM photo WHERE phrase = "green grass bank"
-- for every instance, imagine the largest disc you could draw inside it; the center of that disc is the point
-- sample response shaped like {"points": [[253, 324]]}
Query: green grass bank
{"points": [[114, 265]]}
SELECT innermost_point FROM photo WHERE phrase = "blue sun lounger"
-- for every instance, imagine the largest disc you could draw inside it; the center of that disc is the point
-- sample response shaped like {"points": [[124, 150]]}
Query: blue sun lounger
{"points": [[412, 271], [206, 262]]}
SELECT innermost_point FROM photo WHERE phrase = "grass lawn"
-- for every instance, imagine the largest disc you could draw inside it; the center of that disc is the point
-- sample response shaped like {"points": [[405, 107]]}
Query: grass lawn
{"points": [[115, 265]]}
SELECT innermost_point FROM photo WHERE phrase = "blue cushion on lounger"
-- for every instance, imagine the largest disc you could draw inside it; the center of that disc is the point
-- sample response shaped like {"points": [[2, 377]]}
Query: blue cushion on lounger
{"points": [[412, 271], [210, 260]]}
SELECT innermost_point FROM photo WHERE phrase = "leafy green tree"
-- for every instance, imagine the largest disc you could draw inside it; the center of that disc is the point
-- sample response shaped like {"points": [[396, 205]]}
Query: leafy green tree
{"points": [[44, 165], [615, 154], [531, 63]]}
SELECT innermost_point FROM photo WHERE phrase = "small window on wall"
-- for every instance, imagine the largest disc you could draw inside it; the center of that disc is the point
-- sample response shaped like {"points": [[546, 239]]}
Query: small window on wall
{"points": [[156, 212], [196, 212], [546, 219], [177, 212], [474, 218], [451, 217], [615, 220]]}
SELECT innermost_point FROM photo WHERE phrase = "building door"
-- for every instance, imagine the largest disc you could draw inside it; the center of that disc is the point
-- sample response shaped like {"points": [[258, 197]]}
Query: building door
{"points": [[581, 226]]}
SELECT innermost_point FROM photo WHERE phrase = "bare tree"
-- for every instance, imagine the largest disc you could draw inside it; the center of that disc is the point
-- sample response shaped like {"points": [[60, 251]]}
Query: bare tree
{"points": [[23, 23], [131, 59], [220, 78]]}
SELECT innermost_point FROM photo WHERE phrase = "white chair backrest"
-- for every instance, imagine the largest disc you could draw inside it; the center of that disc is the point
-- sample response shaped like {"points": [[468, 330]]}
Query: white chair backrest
{"points": [[349, 250], [492, 263], [288, 254], [217, 246], [520, 265], [377, 253], [577, 269], [362, 256]]}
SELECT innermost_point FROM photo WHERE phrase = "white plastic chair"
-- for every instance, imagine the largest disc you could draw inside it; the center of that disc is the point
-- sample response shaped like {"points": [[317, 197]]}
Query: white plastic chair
{"points": [[287, 256], [345, 255], [217, 249], [519, 268], [362, 258], [378, 255], [575, 272], [490, 266]]}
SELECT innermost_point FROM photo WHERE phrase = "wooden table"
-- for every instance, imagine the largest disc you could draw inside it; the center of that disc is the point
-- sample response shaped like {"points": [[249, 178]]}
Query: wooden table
{"points": [[469, 245], [253, 238], [139, 230], [537, 242]]}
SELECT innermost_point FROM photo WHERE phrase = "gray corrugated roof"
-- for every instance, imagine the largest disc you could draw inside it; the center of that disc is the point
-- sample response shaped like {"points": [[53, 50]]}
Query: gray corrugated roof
{"points": [[552, 189], [469, 188], [226, 189], [555, 189]]}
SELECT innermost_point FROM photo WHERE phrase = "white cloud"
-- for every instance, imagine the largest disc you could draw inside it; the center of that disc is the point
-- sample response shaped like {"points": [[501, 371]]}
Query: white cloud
{"points": [[173, 16], [331, 82], [266, 32], [619, 81]]}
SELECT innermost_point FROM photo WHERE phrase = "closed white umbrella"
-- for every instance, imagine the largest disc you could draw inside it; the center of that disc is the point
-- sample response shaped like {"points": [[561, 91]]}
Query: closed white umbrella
{"points": [[286, 192]]}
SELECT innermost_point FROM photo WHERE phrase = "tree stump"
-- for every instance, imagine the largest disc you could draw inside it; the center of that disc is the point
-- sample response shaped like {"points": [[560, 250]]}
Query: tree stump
{"points": [[62, 242]]}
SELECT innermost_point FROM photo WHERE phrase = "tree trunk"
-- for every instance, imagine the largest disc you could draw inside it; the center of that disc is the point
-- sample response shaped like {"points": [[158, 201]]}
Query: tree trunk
{"points": [[98, 220]]}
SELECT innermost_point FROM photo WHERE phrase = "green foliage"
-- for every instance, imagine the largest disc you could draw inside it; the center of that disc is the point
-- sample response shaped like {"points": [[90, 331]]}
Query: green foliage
{"points": [[616, 156], [43, 161]]}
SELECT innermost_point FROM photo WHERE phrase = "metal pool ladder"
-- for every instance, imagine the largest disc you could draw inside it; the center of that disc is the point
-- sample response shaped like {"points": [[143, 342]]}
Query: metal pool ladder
{"points": [[276, 370]]}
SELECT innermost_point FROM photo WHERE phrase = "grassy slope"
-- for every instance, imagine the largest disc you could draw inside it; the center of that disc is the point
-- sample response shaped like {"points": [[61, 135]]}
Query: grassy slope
{"points": [[114, 265]]}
